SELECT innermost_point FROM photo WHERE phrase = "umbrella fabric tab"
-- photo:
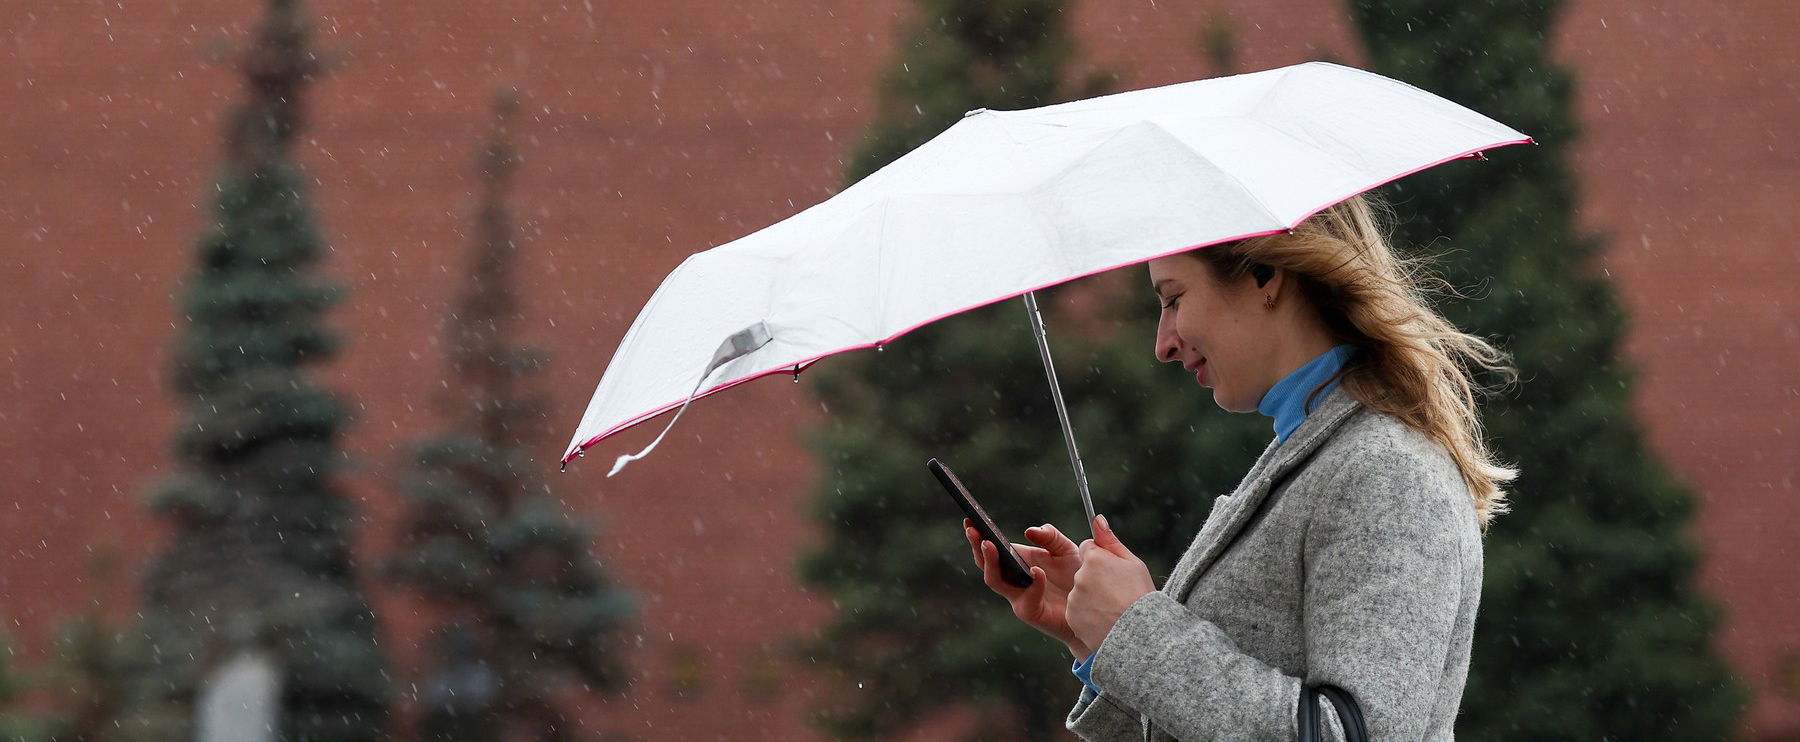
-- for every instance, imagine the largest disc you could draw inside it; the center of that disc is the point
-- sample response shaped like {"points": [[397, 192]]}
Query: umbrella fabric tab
{"points": [[740, 344]]}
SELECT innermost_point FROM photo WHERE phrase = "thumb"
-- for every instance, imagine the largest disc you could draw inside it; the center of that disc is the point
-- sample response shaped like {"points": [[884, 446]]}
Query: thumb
{"points": [[1028, 604], [1034, 595], [1106, 539]]}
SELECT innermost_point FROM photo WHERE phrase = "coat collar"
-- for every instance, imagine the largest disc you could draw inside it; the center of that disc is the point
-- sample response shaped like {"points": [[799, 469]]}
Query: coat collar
{"points": [[1277, 461]]}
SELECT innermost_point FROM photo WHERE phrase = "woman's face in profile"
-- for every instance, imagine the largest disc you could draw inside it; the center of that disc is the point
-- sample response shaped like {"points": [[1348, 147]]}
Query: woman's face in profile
{"points": [[1216, 330]]}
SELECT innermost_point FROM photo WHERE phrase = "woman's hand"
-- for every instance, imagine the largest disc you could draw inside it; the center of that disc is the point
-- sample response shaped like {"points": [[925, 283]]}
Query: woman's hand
{"points": [[1109, 581], [1052, 562]]}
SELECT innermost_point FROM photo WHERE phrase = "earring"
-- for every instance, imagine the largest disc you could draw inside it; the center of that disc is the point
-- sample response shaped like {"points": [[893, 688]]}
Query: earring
{"points": [[1269, 302]]}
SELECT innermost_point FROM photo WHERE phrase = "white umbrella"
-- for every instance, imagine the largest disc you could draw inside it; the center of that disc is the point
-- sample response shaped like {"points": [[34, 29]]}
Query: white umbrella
{"points": [[1006, 202]]}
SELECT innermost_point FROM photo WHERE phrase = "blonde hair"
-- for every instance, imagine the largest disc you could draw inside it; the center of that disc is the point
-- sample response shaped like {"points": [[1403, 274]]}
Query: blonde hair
{"points": [[1413, 363]]}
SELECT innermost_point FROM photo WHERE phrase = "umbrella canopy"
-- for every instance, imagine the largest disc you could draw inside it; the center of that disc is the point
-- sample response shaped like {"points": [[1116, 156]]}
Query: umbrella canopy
{"points": [[1006, 202]]}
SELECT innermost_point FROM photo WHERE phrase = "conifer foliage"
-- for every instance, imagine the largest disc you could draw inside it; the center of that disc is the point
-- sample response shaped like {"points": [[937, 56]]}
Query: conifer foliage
{"points": [[259, 558], [1590, 624], [528, 611], [958, 55]]}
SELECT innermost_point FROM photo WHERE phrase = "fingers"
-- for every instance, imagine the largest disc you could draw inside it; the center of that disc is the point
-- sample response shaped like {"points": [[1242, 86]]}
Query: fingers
{"points": [[1028, 604], [987, 559], [1051, 539], [1092, 548], [1059, 560], [1106, 539], [990, 571]]}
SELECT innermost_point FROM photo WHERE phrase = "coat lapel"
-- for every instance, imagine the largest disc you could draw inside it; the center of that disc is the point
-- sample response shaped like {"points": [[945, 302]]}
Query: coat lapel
{"points": [[1277, 460]]}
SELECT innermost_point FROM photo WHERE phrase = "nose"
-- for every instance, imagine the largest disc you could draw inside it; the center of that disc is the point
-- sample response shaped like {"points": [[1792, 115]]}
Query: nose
{"points": [[1168, 344]]}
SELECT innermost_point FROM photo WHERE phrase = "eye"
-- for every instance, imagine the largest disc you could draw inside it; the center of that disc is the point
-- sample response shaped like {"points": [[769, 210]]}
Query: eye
{"points": [[1171, 301]]}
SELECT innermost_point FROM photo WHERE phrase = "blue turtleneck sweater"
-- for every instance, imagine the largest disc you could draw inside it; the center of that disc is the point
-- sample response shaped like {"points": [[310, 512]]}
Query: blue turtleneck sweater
{"points": [[1286, 404]]}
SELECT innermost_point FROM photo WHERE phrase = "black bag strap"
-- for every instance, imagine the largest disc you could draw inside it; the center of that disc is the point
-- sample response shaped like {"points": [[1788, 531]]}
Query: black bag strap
{"points": [[1349, 714], [1309, 715]]}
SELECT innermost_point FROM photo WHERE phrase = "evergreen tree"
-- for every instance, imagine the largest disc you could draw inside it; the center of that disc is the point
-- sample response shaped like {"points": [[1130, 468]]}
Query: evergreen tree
{"points": [[91, 678], [77, 692], [914, 625], [529, 610], [967, 54], [17, 723], [260, 548], [1590, 625]]}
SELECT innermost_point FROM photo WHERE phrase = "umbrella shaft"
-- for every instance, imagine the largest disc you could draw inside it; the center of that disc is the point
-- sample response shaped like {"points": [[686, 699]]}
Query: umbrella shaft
{"points": [[1062, 411]]}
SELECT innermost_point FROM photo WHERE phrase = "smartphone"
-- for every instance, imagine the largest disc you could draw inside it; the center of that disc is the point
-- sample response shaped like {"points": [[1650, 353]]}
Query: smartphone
{"points": [[1012, 568]]}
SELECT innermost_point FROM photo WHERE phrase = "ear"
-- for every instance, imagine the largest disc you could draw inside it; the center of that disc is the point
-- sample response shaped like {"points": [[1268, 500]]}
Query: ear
{"points": [[1261, 273], [1270, 281]]}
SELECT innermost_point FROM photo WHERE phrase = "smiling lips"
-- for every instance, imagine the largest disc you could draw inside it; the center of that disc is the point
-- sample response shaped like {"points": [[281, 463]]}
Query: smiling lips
{"points": [[1199, 370]]}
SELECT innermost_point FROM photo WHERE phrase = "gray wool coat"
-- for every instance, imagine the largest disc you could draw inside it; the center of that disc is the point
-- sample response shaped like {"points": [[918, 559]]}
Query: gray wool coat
{"points": [[1349, 555]]}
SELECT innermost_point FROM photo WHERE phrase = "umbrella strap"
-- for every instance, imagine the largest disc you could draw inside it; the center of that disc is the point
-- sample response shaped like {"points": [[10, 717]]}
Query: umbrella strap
{"points": [[740, 344], [619, 463]]}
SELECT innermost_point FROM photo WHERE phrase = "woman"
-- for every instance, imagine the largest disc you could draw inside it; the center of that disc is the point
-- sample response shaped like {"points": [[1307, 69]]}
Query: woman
{"points": [[1351, 553]]}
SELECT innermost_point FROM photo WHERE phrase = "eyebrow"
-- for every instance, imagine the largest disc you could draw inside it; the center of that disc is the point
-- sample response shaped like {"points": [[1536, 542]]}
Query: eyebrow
{"points": [[1158, 286]]}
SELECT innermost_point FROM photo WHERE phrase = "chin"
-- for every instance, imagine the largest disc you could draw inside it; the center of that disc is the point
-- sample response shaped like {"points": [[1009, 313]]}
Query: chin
{"points": [[1228, 404]]}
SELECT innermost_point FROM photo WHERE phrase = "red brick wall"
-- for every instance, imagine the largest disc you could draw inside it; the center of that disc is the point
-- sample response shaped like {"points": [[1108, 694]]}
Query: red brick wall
{"points": [[658, 129], [1688, 164]]}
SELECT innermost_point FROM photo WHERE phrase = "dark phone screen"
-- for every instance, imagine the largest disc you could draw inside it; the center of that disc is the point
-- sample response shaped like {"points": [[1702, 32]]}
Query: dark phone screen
{"points": [[1012, 568]]}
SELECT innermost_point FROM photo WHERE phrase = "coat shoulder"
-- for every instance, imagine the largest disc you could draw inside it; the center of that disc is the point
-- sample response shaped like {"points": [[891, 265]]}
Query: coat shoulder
{"points": [[1374, 454]]}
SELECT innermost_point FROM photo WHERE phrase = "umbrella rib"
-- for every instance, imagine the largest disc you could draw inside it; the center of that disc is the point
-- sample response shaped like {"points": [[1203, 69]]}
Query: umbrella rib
{"points": [[1245, 189], [1268, 92], [881, 267], [1254, 115]]}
